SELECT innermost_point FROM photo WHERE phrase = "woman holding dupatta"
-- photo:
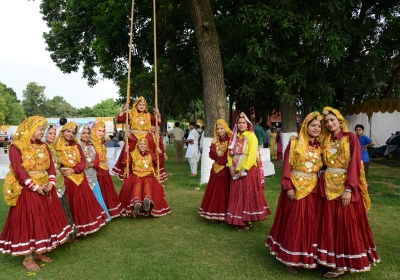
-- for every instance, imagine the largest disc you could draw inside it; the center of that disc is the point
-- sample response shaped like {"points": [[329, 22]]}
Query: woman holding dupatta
{"points": [[36, 222]]}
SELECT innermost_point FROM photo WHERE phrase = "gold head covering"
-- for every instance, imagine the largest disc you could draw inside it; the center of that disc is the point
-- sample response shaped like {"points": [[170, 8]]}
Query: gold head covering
{"points": [[141, 98], [96, 141], [26, 129], [61, 142], [302, 143], [224, 125], [98, 145], [342, 120], [136, 152]]}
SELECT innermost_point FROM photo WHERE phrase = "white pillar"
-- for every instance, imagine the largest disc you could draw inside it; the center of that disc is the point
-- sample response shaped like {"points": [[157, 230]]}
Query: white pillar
{"points": [[206, 161]]}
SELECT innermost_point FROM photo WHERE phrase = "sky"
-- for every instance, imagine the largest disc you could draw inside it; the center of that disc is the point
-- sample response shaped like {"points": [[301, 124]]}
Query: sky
{"points": [[24, 59]]}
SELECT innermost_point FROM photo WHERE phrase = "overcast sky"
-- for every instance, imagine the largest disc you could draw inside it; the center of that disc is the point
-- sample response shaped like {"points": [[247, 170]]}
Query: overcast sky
{"points": [[23, 58]]}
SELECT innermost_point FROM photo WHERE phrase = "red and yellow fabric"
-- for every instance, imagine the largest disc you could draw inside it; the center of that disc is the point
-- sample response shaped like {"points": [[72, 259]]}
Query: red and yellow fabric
{"points": [[221, 147], [35, 159], [69, 154], [98, 145], [142, 164]]}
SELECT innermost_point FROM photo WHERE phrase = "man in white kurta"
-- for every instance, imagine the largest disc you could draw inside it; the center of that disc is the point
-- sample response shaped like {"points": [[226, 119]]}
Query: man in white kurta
{"points": [[192, 152]]}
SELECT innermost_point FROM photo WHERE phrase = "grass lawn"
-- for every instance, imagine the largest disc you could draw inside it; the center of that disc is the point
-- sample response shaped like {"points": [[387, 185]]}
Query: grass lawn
{"points": [[183, 245]]}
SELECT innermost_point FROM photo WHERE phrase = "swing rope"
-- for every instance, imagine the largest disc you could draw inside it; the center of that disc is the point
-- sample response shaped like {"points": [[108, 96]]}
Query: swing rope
{"points": [[156, 89], [128, 90]]}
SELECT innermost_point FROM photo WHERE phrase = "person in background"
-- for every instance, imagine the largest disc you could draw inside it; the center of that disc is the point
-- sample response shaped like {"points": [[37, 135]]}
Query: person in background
{"points": [[62, 121], [272, 143], [111, 142], [215, 200], [202, 139], [292, 236], [36, 222], [365, 143], [121, 141], [266, 136], [247, 203], [178, 135], [185, 136], [279, 145], [344, 239], [192, 152], [259, 131]]}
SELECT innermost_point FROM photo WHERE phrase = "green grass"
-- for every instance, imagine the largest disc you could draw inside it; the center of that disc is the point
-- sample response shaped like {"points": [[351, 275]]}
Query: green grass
{"points": [[183, 245]]}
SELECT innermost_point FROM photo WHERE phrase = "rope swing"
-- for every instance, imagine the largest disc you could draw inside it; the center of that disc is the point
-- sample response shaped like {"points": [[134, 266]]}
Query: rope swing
{"points": [[155, 89], [128, 90]]}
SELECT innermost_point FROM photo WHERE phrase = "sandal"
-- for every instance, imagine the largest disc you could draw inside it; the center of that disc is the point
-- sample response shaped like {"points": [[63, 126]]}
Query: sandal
{"points": [[43, 258], [292, 269], [243, 228], [30, 264], [334, 274], [146, 204], [137, 207]]}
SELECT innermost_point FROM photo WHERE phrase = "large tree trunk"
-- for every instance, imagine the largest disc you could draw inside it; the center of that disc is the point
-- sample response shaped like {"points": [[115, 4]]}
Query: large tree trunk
{"points": [[289, 124], [214, 95]]}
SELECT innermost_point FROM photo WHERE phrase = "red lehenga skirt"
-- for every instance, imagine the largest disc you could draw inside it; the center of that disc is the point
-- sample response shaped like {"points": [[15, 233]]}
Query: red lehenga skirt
{"points": [[215, 200], [246, 200], [109, 193], [135, 189], [37, 224], [344, 237], [292, 237], [87, 213]]}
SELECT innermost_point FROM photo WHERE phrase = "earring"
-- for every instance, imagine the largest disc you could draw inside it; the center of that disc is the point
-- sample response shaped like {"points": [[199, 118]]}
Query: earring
{"points": [[341, 125]]}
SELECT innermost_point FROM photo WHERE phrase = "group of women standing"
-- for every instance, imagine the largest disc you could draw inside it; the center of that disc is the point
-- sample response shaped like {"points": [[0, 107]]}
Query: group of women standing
{"points": [[234, 193], [323, 219], [59, 188]]}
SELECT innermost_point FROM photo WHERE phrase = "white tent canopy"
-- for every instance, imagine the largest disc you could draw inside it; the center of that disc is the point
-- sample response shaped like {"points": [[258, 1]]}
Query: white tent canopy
{"points": [[380, 118]]}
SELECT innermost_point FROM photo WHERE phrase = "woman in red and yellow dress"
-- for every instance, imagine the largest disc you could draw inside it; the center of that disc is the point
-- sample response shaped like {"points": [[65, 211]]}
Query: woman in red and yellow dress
{"points": [[107, 187], [87, 213], [344, 239], [140, 121], [159, 151], [141, 193], [215, 200], [292, 237], [36, 222], [247, 203]]}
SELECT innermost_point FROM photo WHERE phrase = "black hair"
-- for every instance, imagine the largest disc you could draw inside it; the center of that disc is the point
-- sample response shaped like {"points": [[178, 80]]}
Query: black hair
{"points": [[177, 124], [63, 121], [359, 126]]}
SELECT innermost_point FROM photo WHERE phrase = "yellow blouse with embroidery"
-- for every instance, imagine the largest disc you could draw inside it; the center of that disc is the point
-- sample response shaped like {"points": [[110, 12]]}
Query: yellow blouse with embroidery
{"points": [[336, 155], [36, 161], [142, 165], [307, 166], [249, 156], [221, 148], [69, 157], [140, 122]]}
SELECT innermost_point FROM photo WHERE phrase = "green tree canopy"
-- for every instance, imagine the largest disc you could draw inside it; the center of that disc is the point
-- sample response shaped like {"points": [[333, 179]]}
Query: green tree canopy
{"points": [[11, 112], [106, 108]]}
